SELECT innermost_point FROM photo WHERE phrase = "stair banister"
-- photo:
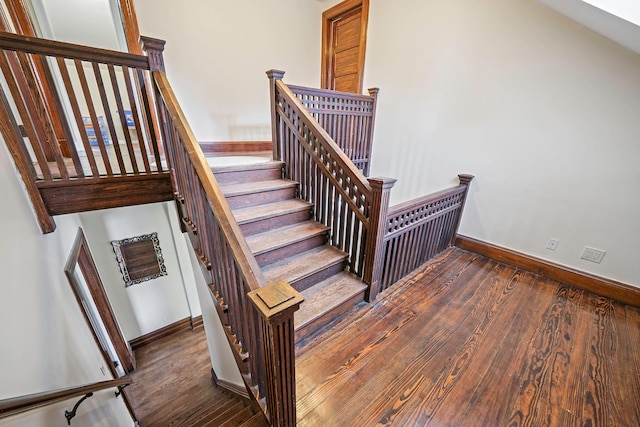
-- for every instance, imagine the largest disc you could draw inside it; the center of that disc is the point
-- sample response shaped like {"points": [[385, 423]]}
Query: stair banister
{"points": [[257, 318], [367, 200]]}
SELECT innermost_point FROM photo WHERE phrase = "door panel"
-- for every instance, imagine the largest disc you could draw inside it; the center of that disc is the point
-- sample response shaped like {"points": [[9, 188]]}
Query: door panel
{"points": [[344, 29]]}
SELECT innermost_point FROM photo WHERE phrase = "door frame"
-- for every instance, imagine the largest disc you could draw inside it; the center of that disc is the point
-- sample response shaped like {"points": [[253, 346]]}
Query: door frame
{"points": [[80, 257], [328, 17]]}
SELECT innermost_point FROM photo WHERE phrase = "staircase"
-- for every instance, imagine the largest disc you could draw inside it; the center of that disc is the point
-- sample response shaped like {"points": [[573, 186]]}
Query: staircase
{"points": [[288, 244], [226, 411]]}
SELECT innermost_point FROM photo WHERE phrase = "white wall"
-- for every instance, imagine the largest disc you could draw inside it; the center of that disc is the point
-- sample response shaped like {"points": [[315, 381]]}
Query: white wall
{"points": [[46, 343], [150, 305], [222, 360], [542, 110], [217, 53]]}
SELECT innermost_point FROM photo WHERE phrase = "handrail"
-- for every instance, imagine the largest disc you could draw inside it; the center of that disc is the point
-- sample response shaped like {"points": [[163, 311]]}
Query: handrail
{"points": [[36, 45], [17, 405], [72, 112], [257, 317], [352, 206], [417, 230], [241, 252], [348, 117]]}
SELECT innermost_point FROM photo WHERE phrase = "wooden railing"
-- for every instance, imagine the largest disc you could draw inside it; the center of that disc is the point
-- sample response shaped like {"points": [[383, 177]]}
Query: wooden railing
{"points": [[17, 405], [257, 317], [419, 229], [352, 206], [347, 117], [104, 114]]}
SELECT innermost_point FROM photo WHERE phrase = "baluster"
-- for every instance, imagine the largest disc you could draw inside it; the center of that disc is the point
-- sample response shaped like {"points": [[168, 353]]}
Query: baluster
{"points": [[381, 188], [275, 305]]}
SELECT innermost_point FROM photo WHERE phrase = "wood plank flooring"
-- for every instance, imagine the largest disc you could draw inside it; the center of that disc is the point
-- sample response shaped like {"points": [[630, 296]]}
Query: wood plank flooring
{"points": [[172, 386], [467, 341]]}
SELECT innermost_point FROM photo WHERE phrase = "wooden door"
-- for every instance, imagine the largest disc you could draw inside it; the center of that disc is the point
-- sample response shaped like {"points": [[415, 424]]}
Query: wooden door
{"points": [[344, 39]]}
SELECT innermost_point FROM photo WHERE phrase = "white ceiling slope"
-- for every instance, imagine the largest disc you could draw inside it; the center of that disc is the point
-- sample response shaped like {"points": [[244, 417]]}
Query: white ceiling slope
{"points": [[619, 20]]}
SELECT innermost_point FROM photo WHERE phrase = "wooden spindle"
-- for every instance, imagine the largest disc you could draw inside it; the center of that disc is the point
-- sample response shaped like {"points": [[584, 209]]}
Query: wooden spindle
{"points": [[381, 189], [275, 305]]}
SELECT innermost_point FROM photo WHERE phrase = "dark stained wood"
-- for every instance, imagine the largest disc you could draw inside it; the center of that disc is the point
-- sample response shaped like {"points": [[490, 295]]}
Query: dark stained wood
{"points": [[344, 40], [15, 144], [468, 341], [158, 334], [417, 230], [621, 292], [374, 249], [62, 197], [81, 258], [275, 305], [348, 118], [173, 385], [243, 147], [17, 405], [41, 46]]}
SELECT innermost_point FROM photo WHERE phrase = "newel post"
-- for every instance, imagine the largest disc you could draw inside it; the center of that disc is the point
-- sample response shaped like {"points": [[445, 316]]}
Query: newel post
{"points": [[275, 305], [153, 48], [374, 249], [373, 92], [465, 179], [275, 75]]}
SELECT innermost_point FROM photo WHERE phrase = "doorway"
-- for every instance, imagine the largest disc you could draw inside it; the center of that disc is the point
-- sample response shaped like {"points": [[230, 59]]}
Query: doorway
{"points": [[344, 39], [89, 291]]}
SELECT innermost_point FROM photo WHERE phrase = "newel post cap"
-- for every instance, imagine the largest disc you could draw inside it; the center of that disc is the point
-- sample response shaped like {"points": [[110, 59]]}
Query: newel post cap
{"points": [[374, 91], [275, 74], [382, 183], [153, 48], [465, 179]]}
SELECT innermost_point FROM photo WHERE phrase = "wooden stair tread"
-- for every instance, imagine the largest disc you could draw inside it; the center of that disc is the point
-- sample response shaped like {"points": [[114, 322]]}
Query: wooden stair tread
{"points": [[222, 417], [238, 418], [257, 420], [271, 164], [269, 210], [231, 190], [294, 268], [280, 237], [327, 295]]}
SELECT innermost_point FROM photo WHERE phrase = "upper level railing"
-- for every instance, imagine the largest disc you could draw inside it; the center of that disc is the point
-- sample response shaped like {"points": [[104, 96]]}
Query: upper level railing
{"points": [[18, 405], [352, 206], [101, 107], [419, 229], [257, 317], [347, 117]]}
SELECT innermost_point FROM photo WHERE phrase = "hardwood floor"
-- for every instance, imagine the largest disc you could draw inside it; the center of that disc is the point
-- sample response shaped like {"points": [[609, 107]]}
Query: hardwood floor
{"points": [[467, 341], [172, 385]]}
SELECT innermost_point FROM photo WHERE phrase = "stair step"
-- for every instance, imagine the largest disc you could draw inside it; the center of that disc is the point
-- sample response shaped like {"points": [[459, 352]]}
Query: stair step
{"points": [[257, 420], [276, 245], [304, 270], [222, 417], [247, 194], [327, 300], [261, 218], [264, 171], [237, 419]]}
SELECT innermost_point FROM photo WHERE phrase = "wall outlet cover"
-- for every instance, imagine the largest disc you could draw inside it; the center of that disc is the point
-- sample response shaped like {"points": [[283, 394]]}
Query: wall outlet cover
{"points": [[593, 254]]}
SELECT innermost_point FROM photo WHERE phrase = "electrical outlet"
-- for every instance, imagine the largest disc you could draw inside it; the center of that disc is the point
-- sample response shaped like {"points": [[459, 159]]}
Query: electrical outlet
{"points": [[592, 254], [553, 244]]}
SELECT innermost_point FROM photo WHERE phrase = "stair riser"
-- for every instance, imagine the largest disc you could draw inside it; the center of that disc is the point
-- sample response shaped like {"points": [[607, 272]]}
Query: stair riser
{"points": [[253, 199], [320, 322], [239, 177], [306, 282], [279, 254], [266, 224]]}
